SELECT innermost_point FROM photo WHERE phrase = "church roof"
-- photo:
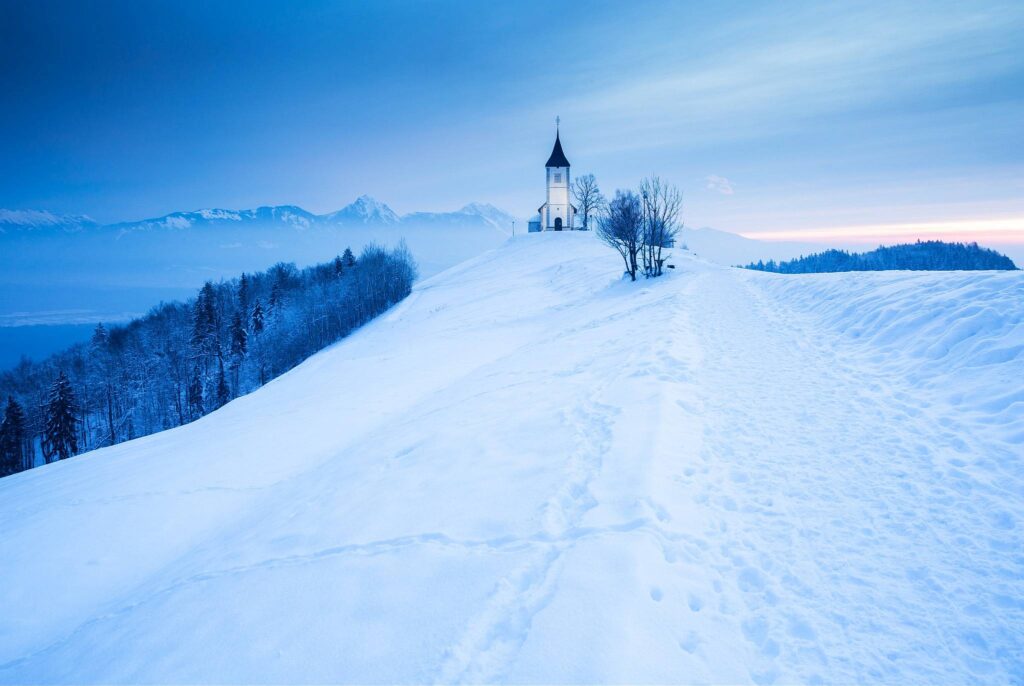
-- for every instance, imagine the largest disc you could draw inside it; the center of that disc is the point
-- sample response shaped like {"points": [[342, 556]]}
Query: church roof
{"points": [[557, 158]]}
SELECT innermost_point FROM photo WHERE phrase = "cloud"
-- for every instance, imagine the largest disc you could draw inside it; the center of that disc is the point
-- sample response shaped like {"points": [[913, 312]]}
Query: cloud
{"points": [[720, 184]]}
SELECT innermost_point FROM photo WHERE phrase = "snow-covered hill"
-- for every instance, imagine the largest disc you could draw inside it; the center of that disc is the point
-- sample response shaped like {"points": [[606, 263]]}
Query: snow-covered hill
{"points": [[731, 249], [531, 471]]}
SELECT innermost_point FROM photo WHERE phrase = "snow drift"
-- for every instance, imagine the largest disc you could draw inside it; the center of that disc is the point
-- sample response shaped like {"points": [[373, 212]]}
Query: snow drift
{"points": [[531, 471]]}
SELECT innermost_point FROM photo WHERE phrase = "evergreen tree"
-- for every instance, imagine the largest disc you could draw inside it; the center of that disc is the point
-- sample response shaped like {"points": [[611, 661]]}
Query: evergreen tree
{"points": [[195, 395], [244, 293], [223, 394], [60, 433], [100, 349], [257, 319], [239, 336], [204, 322], [13, 453], [348, 258], [339, 266]]}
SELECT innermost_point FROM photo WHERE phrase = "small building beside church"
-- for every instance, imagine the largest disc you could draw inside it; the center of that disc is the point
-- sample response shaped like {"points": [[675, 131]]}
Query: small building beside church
{"points": [[557, 213]]}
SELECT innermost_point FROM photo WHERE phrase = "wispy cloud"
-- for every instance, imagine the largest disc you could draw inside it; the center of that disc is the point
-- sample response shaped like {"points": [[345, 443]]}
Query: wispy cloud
{"points": [[719, 184]]}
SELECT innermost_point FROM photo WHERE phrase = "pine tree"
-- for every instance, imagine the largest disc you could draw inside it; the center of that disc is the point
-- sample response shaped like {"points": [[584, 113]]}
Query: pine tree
{"points": [[257, 318], [223, 394], [13, 455], [339, 266], [239, 336], [60, 433], [348, 258], [101, 359], [243, 293], [204, 321], [195, 395]]}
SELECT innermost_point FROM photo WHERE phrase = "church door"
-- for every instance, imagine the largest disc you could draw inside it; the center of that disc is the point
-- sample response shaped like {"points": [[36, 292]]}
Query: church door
{"points": [[558, 223]]}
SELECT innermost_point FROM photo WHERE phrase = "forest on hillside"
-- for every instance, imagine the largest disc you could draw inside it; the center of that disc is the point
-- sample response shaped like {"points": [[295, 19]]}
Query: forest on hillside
{"points": [[186, 359], [922, 255]]}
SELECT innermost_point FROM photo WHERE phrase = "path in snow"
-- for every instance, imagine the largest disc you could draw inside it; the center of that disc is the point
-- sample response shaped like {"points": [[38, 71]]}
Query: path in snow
{"points": [[530, 472]]}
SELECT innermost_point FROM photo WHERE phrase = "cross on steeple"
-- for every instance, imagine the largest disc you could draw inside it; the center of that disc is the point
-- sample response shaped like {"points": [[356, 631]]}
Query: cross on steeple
{"points": [[558, 120]]}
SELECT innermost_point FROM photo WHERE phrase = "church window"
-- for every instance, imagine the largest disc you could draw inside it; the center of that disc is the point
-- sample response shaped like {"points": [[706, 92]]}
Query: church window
{"points": [[558, 178]]}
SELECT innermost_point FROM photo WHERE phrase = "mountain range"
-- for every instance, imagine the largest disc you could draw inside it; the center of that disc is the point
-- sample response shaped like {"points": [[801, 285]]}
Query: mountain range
{"points": [[60, 269], [362, 211]]}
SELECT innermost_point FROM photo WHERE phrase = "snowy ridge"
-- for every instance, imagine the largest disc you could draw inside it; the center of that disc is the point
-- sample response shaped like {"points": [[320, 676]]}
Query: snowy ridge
{"points": [[959, 334], [39, 219], [365, 209], [531, 471]]}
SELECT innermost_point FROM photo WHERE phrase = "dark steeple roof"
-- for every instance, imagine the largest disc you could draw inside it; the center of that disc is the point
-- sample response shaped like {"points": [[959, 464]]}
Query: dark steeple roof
{"points": [[557, 158]]}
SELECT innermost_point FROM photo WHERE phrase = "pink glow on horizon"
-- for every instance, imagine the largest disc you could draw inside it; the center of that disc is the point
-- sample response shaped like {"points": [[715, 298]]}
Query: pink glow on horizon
{"points": [[1004, 230]]}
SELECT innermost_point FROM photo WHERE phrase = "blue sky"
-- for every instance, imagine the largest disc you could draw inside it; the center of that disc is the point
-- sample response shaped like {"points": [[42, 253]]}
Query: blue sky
{"points": [[824, 119]]}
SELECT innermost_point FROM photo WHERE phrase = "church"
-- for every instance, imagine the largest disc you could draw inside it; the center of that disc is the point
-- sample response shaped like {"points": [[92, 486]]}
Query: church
{"points": [[557, 213]]}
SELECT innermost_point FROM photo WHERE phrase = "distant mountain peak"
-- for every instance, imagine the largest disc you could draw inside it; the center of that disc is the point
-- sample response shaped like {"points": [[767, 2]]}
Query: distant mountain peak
{"points": [[41, 219], [365, 209]]}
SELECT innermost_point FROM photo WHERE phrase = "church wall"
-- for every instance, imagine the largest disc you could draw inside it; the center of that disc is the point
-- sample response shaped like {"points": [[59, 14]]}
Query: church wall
{"points": [[558, 198]]}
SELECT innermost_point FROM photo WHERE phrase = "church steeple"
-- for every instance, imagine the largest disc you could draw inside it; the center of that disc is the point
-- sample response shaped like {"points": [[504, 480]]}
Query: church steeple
{"points": [[557, 158], [557, 213]]}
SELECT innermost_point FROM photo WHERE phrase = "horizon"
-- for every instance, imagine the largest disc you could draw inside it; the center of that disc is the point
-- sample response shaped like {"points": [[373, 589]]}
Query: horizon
{"points": [[814, 124]]}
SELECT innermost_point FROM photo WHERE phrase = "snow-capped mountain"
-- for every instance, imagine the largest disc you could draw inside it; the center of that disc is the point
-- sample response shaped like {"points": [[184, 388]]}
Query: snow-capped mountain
{"points": [[532, 471], [499, 218], [53, 263], [35, 220], [365, 210]]}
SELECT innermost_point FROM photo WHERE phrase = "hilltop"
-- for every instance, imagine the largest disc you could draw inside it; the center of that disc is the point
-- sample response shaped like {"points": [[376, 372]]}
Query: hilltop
{"points": [[532, 471]]}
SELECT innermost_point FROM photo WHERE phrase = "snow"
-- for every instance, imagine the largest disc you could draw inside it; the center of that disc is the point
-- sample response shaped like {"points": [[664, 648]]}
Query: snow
{"points": [[533, 471], [365, 209], [730, 249], [33, 219]]}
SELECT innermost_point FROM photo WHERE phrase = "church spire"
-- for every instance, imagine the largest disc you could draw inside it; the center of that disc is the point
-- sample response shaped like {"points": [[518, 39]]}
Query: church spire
{"points": [[557, 158]]}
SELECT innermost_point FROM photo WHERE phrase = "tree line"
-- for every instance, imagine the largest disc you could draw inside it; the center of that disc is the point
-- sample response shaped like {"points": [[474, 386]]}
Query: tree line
{"points": [[922, 255], [184, 360]]}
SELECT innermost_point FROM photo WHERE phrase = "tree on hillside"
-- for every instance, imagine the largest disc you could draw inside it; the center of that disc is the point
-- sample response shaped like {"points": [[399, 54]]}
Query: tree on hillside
{"points": [[195, 395], [102, 366], [347, 258], [621, 227], [223, 393], [588, 197], [60, 434], [14, 453], [244, 293], [239, 346], [662, 203], [185, 359]]}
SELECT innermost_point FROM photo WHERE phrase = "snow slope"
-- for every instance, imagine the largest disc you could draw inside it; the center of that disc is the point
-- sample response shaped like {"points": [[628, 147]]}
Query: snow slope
{"points": [[531, 471]]}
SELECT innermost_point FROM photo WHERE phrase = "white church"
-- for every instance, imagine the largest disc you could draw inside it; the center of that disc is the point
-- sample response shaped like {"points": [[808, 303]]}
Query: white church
{"points": [[557, 213]]}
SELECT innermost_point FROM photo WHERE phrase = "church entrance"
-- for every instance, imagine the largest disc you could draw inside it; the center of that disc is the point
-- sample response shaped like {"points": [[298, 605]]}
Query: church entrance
{"points": [[558, 223]]}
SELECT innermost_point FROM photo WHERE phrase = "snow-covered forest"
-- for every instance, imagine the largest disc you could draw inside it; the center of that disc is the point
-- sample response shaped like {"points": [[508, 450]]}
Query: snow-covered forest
{"points": [[185, 359], [919, 256]]}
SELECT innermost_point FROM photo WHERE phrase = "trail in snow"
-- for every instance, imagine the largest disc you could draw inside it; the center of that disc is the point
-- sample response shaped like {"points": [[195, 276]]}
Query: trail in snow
{"points": [[533, 472]]}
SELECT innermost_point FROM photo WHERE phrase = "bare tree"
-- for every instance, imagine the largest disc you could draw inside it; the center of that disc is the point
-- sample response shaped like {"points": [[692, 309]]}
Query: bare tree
{"points": [[621, 227], [588, 196], [662, 203]]}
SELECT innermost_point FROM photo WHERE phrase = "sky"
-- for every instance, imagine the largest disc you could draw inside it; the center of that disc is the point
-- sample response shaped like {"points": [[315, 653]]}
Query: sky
{"points": [[820, 121]]}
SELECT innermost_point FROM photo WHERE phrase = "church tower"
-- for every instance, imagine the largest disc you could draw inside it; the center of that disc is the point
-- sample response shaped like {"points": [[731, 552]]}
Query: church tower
{"points": [[557, 213]]}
